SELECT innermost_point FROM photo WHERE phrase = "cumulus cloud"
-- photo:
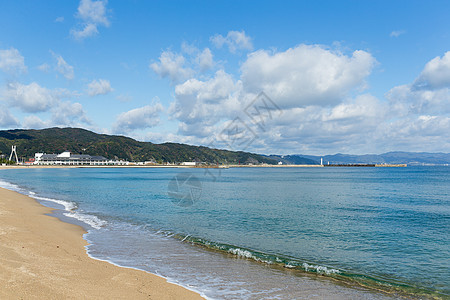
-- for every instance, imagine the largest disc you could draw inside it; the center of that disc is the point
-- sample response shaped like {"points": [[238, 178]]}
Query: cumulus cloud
{"points": [[172, 65], [88, 30], [63, 67], [234, 40], [205, 102], [205, 60], [306, 74], [429, 94], [30, 98], [92, 14], [11, 61], [406, 99], [99, 87], [421, 110], [67, 113], [426, 133], [6, 119], [436, 74], [34, 122], [35, 99], [63, 114], [308, 84], [138, 118], [320, 103]]}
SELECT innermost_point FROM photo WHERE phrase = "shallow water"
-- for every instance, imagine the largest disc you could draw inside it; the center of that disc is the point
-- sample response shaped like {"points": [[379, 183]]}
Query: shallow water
{"points": [[386, 228]]}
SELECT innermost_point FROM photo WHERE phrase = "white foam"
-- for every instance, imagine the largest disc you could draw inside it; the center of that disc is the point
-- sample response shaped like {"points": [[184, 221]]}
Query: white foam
{"points": [[320, 269], [91, 220], [69, 206], [242, 253], [168, 279], [9, 186], [289, 266]]}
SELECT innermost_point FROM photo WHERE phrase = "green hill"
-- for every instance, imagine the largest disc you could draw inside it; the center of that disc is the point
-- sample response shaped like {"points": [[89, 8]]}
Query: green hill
{"points": [[76, 140]]}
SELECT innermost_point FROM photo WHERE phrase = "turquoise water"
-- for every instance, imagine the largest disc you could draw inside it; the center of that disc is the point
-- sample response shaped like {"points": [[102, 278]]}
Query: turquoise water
{"points": [[369, 228]]}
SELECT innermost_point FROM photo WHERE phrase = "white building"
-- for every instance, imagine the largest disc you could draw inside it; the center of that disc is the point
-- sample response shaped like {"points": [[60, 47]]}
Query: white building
{"points": [[68, 159]]}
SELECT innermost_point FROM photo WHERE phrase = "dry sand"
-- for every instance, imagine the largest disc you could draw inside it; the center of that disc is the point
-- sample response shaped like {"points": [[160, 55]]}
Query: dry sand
{"points": [[43, 257]]}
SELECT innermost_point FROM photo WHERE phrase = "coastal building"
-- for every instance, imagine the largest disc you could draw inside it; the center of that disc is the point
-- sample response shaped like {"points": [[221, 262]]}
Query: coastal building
{"points": [[189, 163], [69, 159]]}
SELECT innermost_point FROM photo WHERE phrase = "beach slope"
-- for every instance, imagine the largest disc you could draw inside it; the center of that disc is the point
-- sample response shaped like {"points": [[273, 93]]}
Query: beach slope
{"points": [[43, 257]]}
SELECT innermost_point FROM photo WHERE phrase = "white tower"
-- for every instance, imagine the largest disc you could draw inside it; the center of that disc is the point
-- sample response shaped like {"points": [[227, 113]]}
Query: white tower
{"points": [[13, 151], [321, 161]]}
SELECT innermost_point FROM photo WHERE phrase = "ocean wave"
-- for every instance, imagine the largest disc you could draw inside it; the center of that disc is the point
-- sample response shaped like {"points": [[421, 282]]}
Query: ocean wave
{"points": [[380, 284], [69, 207], [72, 212], [240, 252], [320, 269], [9, 186], [91, 220]]}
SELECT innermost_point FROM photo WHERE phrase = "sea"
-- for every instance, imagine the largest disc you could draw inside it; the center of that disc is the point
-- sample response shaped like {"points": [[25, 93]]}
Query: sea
{"points": [[262, 233]]}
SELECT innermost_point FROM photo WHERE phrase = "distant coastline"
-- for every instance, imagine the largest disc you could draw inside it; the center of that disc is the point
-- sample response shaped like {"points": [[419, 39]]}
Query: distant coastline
{"points": [[5, 167]]}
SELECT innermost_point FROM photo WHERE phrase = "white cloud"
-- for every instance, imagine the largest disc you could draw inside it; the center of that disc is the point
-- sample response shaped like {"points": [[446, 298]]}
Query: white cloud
{"points": [[429, 94], [397, 33], [406, 100], [93, 11], [188, 48], [205, 60], [59, 19], [299, 80], [67, 113], [172, 65], [361, 109], [63, 114], [30, 98], [436, 73], [205, 102], [6, 119], [88, 30], [44, 67], [322, 104], [235, 40], [34, 122], [63, 67], [416, 133], [306, 74], [99, 87], [11, 61], [92, 14], [138, 118]]}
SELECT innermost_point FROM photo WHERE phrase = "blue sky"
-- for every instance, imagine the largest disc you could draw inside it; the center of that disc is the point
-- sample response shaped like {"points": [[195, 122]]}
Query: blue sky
{"points": [[340, 76]]}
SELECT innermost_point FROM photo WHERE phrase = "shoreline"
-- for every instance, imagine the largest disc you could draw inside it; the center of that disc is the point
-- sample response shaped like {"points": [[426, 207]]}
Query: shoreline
{"points": [[194, 167], [86, 252], [42, 256]]}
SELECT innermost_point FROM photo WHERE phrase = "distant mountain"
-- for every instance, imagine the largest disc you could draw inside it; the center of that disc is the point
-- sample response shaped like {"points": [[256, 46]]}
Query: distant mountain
{"points": [[410, 158], [76, 140], [294, 160]]}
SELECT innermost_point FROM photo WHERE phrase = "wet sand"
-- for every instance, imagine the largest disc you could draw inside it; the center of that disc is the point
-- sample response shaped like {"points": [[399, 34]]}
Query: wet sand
{"points": [[43, 257]]}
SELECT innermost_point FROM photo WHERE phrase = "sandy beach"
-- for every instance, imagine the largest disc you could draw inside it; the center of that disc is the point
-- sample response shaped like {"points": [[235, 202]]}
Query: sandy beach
{"points": [[43, 257]]}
